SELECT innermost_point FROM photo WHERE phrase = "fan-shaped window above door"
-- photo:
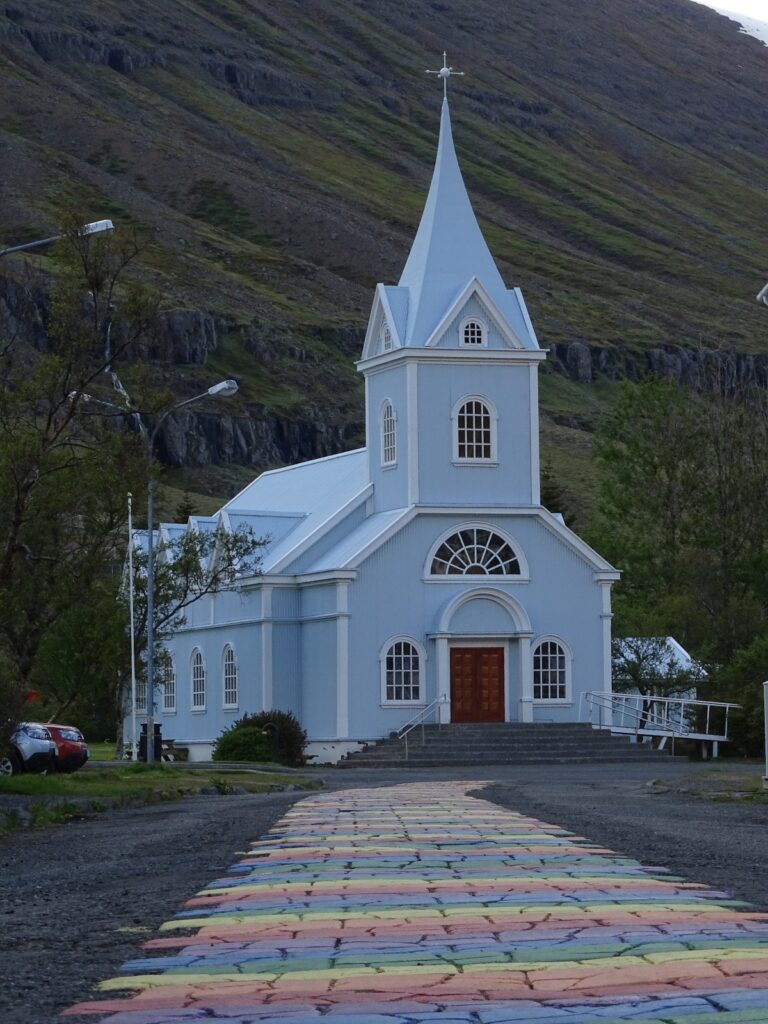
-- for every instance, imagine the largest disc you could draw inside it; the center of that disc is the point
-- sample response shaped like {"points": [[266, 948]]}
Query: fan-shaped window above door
{"points": [[475, 551]]}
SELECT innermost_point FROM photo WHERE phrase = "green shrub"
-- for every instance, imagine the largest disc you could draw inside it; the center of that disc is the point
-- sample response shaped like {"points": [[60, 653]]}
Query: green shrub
{"points": [[285, 740], [246, 744]]}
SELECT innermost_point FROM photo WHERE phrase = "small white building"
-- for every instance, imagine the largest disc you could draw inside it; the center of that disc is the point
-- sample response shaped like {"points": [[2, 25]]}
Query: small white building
{"points": [[423, 566]]}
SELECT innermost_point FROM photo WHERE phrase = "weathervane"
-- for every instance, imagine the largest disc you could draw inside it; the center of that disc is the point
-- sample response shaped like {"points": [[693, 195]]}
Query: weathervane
{"points": [[445, 73]]}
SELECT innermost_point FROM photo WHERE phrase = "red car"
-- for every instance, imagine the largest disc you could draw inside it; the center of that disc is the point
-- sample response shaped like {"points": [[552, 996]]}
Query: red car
{"points": [[71, 748]]}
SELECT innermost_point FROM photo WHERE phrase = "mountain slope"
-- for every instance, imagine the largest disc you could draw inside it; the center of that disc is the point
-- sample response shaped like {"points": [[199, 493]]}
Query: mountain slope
{"points": [[280, 154]]}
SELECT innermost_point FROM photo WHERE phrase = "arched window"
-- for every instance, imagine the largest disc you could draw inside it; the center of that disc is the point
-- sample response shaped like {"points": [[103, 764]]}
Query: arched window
{"points": [[474, 439], [198, 681], [386, 337], [551, 665], [169, 687], [401, 673], [473, 332], [230, 678], [475, 551], [388, 435]]}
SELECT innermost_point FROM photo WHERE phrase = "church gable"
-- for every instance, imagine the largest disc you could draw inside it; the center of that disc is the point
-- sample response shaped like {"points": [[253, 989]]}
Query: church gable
{"points": [[473, 325], [386, 324], [473, 320]]}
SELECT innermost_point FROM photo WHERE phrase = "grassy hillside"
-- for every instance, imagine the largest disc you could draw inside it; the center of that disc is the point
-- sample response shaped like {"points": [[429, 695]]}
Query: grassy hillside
{"points": [[279, 154]]}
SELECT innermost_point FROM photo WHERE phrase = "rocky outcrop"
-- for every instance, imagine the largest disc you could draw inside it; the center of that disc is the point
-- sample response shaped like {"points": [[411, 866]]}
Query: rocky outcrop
{"points": [[701, 369], [260, 439], [184, 336], [53, 45]]}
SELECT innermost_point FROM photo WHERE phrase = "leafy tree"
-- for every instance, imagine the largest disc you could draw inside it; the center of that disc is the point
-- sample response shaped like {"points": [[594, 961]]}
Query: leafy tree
{"points": [[187, 568], [185, 508], [644, 664], [681, 512], [63, 469]]}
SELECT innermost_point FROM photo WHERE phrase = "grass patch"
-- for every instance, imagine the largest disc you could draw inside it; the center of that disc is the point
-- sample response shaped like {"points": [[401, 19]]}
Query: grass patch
{"points": [[142, 782], [102, 751]]}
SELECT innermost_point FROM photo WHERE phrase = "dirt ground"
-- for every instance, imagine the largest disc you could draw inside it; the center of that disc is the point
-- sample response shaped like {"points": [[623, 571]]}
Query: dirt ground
{"points": [[77, 900]]}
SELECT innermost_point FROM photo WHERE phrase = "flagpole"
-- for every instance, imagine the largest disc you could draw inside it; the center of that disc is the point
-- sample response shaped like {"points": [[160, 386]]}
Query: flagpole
{"points": [[134, 751]]}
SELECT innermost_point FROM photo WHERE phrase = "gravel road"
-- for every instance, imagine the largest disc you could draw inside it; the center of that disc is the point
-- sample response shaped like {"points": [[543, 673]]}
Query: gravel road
{"points": [[77, 900]]}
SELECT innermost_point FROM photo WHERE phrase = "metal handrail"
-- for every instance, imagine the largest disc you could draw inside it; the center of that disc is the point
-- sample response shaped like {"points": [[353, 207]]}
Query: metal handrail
{"points": [[645, 713], [420, 719]]}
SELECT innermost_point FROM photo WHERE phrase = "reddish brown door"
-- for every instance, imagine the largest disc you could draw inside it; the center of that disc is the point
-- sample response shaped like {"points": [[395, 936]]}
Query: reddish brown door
{"points": [[477, 684]]}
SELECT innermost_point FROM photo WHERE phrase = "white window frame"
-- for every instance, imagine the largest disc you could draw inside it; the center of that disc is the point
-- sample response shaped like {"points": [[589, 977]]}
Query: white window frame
{"points": [[141, 694], [553, 701], [386, 338], [192, 705], [483, 343], [463, 460], [229, 705], [422, 663], [476, 579], [385, 406], [169, 674]]}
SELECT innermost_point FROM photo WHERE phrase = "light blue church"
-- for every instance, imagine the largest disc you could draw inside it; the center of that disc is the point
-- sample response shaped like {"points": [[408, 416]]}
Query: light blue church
{"points": [[422, 569]]}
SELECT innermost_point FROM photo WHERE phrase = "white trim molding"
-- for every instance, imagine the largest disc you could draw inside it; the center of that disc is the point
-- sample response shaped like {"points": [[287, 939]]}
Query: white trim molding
{"points": [[342, 659], [517, 613], [422, 663], [225, 704], [266, 648], [493, 417], [192, 661], [568, 655], [483, 329], [387, 434], [522, 577]]}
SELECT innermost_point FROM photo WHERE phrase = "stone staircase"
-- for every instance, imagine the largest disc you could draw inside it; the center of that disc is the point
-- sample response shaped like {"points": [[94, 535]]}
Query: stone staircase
{"points": [[502, 743]]}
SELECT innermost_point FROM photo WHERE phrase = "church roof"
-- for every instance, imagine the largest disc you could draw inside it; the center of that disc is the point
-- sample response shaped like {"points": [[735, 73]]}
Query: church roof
{"points": [[310, 495], [448, 252]]}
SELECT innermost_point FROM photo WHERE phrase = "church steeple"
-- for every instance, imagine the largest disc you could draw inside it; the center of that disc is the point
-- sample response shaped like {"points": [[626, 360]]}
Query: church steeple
{"points": [[449, 251]]}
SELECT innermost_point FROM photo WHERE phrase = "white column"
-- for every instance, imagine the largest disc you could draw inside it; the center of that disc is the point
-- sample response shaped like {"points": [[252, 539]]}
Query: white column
{"points": [[606, 616], [412, 426], [526, 679], [267, 695], [443, 678], [533, 380], [342, 659]]}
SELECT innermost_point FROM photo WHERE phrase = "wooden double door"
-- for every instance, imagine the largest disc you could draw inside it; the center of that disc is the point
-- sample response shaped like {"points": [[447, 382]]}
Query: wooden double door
{"points": [[477, 684]]}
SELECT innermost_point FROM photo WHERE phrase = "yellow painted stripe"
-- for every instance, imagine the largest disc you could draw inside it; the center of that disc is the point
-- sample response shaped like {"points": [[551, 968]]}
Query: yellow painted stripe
{"points": [[437, 883], [148, 981], [406, 914]]}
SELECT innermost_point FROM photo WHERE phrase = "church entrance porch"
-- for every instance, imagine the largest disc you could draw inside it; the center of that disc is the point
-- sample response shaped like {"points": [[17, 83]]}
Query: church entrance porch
{"points": [[477, 684]]}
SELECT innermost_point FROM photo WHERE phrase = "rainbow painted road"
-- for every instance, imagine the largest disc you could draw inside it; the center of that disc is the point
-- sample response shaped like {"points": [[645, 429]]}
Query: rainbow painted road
{"points": [[419, 903]]}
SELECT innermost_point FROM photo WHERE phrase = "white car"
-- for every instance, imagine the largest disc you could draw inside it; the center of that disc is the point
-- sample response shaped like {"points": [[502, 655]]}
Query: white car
{"points": [[31, 750]]}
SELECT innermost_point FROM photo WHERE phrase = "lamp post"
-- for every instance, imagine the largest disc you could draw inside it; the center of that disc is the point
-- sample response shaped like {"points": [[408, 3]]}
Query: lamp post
{"points": [[94, 228], [225, 389]]}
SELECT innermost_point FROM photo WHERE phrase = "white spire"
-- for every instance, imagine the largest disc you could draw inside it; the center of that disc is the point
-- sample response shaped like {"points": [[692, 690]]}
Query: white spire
{"points": [[449, 251]]}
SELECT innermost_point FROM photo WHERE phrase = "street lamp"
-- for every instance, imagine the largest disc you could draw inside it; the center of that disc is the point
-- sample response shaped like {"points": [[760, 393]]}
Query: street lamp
{"points": [[225, 389], [96, 227]]}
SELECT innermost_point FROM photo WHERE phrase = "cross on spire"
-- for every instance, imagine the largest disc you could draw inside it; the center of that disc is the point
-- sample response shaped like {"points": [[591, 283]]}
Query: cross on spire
{"points": [[445, 73]]}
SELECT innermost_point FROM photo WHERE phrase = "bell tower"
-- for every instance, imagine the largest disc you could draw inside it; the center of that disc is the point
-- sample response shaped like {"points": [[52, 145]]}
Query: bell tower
{"points": [[451, 365]]}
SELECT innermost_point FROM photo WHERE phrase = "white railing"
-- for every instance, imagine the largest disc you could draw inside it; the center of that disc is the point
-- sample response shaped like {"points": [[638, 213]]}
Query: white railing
{"points": [[643, 715], [420, 719]]}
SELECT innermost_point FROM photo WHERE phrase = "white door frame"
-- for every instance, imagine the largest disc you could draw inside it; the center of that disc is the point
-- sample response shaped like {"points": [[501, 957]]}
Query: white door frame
{"points": [[445, 641]]}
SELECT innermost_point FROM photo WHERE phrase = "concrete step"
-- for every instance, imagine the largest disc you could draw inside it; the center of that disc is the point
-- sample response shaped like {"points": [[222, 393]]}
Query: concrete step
{"points": [[501, 743]]}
